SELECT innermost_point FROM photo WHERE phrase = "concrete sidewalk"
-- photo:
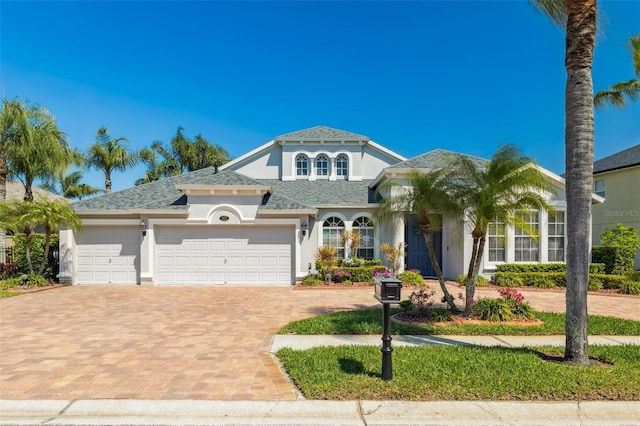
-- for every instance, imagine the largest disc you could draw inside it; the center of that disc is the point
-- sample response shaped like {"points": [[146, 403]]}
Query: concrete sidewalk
{"points": [[190, 412], [306, 342]]}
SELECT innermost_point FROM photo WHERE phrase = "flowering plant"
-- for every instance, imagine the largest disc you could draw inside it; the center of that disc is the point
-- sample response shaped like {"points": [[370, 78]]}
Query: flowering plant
{"points": [[515, 300], [385, 273]]}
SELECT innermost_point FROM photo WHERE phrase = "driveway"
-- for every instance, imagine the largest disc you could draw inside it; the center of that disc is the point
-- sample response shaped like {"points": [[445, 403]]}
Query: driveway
{"points": [[92, 342]]}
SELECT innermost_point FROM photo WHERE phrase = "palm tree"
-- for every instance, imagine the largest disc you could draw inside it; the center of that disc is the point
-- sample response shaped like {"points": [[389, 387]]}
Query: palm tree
{"points": [[510, 182], [72, 188], [197, 154], [36, 149], [578, 18], [427, 197], [109, 155], [156, 170], [13, 125], [616, 94]]}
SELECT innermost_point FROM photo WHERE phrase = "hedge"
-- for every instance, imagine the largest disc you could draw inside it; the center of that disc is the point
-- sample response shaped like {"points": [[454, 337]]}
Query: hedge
{"points": [[355, 274], [36, 252], [617, 259], [559, 279], [594, 268]]}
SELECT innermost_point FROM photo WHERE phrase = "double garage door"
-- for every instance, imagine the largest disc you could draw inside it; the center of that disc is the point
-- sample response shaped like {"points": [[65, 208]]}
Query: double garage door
{"points": [[187, 255], [229, 255]]}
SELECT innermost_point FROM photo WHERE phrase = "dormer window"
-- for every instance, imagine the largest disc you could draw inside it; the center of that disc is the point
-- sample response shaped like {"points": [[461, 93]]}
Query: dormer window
{"points": [[342, 166], [302, 165], [322, 165]]}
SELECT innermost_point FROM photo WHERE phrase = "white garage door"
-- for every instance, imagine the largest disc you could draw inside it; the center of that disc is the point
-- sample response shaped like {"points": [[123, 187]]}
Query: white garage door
{"points": [[223, 255], [108, 255]]}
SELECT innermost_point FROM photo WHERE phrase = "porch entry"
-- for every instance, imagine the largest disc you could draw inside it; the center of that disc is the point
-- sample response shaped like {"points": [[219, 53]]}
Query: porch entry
{"points": [[417, 254]]}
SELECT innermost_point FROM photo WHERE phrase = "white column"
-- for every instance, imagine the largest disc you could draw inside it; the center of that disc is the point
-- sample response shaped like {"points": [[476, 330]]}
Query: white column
{"points": [[65, 255], [398, 238], [147, 255], [332, 168]]}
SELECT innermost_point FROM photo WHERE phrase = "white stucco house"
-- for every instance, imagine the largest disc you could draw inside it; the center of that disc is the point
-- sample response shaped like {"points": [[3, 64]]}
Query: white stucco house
{"points": [[259, 219]]}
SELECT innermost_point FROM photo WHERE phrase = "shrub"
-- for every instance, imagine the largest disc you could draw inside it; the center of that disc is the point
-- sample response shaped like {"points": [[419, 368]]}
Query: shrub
{"points": [[515, 300], [594, 268], [312, 280], [617, 259], [36, 252], [440, 314], [634, 276], [595, 283], [32, 280], [542, 280], [630, 287], [493, 310], [508, 279], [8, 270], [609, 281], [412, 278], [481, 282]]}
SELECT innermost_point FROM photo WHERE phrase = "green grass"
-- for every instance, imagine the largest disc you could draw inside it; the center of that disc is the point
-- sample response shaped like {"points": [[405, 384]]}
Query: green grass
{"points": [[369, 321], [463, 373], [7, 293]]}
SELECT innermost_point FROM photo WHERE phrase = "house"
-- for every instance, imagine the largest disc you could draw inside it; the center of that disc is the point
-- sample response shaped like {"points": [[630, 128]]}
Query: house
{"points": [[616, 178], [260, 219]]}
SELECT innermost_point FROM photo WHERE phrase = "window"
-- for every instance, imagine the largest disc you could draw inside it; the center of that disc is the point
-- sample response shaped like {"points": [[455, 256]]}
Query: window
{"points": [[497, 241], [332, 230], [599, 187], [342, 165], [364, 226], [302, 166], [526, 245], [556, 237], [322, 165]]}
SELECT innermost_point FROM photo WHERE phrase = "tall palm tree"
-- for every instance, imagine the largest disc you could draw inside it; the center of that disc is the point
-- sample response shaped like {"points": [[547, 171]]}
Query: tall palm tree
{"points": [[510, 182], [154, 171], [13, 126], [197, 154], [578, 18], [37, 148], [427, 197], [616, 94], [109, 155], [72, 188]]}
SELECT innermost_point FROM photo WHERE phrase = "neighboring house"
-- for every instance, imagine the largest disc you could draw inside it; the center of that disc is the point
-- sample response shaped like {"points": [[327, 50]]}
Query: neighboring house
{"points": [[616, 178], [260, 219]]}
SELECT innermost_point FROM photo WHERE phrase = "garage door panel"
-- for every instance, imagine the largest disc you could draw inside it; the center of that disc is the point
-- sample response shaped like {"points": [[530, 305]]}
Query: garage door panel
{"points": [[230, 255], [107, 255]]}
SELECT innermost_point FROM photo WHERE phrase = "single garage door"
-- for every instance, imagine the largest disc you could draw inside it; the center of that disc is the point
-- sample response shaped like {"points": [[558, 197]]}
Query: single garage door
{"points": [[223, 255], [108, 255]]}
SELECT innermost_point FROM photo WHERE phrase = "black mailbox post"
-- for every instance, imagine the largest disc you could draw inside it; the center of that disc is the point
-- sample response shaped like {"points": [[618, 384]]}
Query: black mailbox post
{"points": [[387, 291]]}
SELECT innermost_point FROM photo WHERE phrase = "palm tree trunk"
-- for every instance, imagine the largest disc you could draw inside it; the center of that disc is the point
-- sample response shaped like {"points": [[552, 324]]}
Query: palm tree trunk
{"points": [[477, 249], [107, 185], [27, 249], [436, 267], [579, 139], [45, 255]]}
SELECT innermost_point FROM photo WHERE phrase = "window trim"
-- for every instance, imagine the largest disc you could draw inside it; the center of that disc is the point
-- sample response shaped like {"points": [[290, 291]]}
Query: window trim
{"points": [[299, 167]]}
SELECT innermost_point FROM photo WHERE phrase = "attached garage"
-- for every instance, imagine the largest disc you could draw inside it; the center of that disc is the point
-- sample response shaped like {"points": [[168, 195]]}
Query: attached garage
{"points": [[234, 255], [107, 255]]}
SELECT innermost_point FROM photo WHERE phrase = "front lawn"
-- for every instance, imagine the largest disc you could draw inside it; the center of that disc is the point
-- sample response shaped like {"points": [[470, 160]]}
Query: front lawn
{"points": [[463, 373], [369, 321]]}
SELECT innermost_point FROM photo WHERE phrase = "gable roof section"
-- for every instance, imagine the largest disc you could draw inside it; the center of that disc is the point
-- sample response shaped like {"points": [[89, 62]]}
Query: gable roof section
{"points": [[628, 158], [15, 192], [436, 159], [321, 133]]}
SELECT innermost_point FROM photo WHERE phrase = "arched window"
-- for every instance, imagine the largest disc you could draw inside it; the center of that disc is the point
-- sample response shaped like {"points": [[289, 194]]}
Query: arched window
{"points": [[322, 165], [332, 230], [364, 226], [342, 166], [302, 165]]}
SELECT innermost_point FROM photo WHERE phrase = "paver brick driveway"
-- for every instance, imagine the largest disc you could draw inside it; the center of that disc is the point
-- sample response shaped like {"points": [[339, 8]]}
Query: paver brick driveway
{"points": [[143, 342], [153, 342]]}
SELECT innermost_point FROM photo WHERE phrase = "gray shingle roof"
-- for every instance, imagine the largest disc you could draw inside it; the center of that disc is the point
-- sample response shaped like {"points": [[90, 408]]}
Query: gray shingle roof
{"points": [[627, 158], [322, 192], [322, 133], [293, 195], [436, 159], [162, 194]]}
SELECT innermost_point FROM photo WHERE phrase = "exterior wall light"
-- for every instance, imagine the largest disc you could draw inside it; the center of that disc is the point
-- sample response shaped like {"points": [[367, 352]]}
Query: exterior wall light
{"points": [[304, 226], [143, 227]]}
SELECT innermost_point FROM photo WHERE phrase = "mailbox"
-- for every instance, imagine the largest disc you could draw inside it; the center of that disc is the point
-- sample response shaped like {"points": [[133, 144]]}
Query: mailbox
{"points": [[387, 289]]}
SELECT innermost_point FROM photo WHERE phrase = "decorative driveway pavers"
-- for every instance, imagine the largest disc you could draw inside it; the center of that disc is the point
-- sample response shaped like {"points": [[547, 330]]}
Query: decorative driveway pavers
{"points": [[153, 342], [90, 342]]}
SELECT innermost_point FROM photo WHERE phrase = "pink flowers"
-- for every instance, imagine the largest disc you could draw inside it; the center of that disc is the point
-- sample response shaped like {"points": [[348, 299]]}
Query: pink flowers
{"points": [[511, 294], [385, 273]]}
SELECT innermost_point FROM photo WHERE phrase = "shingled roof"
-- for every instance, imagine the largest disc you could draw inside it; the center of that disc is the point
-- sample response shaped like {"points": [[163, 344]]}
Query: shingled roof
{"points": [[322, 133], [628, 158], [436, 159]]}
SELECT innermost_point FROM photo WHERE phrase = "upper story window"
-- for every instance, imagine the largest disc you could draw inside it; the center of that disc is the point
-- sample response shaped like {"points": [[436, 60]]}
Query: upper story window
{"points": [[599, 187], [342, 165], [302, 165], [322, 165], [364, 226]]}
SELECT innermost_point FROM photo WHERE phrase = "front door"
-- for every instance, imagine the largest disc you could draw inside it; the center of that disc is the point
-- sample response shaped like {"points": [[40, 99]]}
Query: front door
{"points": [[417, 253]]}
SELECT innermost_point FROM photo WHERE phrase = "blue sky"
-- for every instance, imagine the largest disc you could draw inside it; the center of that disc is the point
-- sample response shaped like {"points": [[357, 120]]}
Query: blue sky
{"points": [[413, 76]]}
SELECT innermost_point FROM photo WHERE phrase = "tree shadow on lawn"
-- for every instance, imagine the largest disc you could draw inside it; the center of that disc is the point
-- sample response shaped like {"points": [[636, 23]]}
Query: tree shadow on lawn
{"points": [[352, 366]]}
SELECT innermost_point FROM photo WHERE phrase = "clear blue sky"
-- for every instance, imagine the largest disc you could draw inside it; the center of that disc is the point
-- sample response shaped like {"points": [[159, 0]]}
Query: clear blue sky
{"points": [[413, 76]]}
